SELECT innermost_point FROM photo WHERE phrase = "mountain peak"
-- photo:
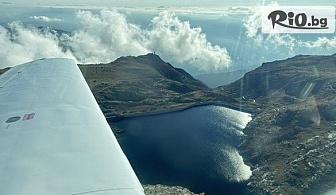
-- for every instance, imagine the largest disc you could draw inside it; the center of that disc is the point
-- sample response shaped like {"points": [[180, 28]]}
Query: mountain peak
{"points": [[141, 80], [150, 58]]}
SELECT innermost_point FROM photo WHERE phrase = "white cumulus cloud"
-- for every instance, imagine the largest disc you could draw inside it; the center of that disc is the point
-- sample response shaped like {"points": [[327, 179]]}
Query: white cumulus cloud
{"points": [[109, 35], [46, 19], [106, 36], [176, 40], [322, 42], [253, 25], [290, 43], [19, 44]]}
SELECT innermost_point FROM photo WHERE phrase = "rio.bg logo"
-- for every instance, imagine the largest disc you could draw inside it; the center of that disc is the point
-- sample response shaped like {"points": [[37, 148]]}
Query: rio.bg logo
{"points": [[291, 19]]}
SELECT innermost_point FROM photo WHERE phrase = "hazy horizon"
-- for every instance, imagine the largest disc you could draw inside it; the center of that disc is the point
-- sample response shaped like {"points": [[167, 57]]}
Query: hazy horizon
{"points": [[174, 3]]}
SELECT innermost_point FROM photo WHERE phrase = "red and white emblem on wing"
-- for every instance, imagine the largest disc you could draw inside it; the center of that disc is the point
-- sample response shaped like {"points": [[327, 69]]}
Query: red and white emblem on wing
{"points": [[28, 116]]}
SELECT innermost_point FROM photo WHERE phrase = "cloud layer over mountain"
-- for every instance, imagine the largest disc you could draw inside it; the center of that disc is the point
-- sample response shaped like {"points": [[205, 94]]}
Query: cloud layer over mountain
{"points": [[108, 35], [19, 44]]}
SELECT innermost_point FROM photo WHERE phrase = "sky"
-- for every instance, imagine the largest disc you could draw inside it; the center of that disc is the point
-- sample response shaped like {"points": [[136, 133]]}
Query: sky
{"points": [[202, 3], [199, 40]]}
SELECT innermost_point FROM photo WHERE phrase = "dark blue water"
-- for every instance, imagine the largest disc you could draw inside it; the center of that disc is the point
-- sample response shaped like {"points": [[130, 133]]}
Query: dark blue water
{"points": [[194, 148]]}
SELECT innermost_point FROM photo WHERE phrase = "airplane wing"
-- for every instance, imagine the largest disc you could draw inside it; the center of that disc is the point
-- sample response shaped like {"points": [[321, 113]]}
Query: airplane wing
{"points": [[54, 139]]}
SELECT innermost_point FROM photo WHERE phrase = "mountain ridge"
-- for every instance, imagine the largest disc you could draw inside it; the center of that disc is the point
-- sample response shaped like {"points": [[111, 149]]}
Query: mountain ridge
{"points": [[135, 85], [289, 143]]}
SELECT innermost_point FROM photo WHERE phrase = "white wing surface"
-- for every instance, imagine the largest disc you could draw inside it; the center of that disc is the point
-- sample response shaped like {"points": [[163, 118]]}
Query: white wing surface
{"points": [[54, 139]]}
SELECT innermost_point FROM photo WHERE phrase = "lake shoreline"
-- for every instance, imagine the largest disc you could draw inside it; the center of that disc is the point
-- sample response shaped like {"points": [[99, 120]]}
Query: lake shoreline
{"points": [[179, 109], [190, 138]]}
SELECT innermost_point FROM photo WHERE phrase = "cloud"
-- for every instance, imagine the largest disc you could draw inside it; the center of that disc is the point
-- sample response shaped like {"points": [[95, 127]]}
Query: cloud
{"points": [[46, 19], [321, 42], [289, 43], [214, 11], [253, 25], [105, 37], [19, 45], [108, 35], [176, 40]]}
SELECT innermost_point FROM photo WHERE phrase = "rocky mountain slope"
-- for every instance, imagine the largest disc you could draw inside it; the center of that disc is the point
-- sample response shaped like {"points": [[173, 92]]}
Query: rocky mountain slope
{"points": [[290, 143], [145, 84]]}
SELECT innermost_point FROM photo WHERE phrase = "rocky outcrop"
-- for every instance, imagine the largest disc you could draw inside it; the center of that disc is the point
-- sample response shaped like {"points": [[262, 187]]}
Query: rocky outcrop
{"points": [[164, 190]]}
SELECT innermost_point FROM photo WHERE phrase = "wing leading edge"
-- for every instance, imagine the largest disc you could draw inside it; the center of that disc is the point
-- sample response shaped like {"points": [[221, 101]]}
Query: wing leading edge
{"points": [[54, 139]]}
